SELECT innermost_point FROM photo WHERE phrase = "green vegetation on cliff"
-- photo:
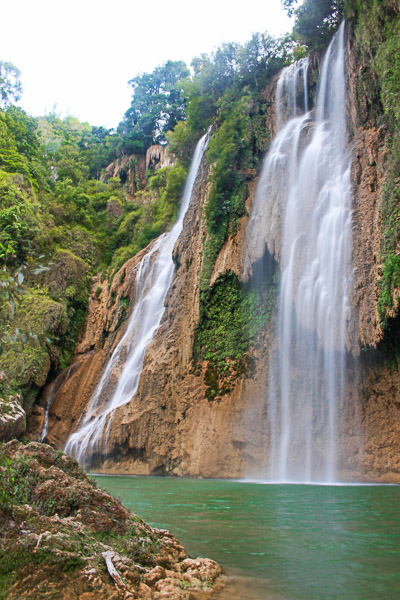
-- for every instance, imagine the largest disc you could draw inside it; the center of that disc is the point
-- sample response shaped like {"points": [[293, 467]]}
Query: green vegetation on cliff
{"points": [[149, 213], [233, 318], [377, 29]]}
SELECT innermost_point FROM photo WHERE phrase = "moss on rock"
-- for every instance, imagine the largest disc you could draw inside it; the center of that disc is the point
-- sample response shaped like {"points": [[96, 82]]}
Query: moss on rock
{"points": [[67, 277], [29, 342], [232, 318]]}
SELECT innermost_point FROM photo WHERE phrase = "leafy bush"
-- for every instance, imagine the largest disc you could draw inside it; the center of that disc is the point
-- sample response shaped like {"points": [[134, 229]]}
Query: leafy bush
{"points": [[19, 222]]}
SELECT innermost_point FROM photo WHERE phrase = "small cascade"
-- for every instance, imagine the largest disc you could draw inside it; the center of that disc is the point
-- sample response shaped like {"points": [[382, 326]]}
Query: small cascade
{"points": [[54, 388], [45, 427], [302, 213], [280, 165], [121, 377], [291, 92]]}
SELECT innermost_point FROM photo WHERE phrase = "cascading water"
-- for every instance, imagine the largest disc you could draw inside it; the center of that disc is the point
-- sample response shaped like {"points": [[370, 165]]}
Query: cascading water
{"points": [[302, 212], [120, 379]]}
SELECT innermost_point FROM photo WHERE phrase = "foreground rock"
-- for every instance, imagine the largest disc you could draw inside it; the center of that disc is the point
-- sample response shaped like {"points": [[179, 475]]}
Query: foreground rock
{"points": [[62, 537], [12, 417]]}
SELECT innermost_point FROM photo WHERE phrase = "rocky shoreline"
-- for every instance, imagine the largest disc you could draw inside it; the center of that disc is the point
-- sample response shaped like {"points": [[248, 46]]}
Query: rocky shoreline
{"points": [[63, 537]]}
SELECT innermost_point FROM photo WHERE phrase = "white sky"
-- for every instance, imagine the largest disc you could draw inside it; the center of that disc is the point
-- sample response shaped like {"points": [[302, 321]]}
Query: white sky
{"points": [[78, 55]]}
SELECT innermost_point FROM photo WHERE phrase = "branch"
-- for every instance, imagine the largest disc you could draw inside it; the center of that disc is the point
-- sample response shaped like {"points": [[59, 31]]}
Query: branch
{"points": [[112, 570]]}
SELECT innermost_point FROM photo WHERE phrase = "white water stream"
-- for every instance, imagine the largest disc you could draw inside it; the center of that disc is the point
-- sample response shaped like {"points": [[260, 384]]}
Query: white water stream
{"points": [[120, 379], [302, 212], [53, 391]]}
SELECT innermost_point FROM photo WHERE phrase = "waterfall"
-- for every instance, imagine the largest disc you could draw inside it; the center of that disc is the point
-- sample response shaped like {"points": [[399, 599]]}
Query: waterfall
{"points": [[302, 213], [121, 377]]}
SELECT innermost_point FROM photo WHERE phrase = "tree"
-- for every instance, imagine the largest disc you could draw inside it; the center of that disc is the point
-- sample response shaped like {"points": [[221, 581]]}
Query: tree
{"points": [[70, 164], [10, 85], [316, 20], [96, 150], [157, 106], [289, 6], [20, 148], [19, 223], [260, 58]]}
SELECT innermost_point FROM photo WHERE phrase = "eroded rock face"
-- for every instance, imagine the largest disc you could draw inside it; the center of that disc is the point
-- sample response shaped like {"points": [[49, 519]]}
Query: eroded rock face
{"points": [[104, 327], [158, 157], [380, 421], [130, 170], [59, 531], [373, 381], [170, 426]]}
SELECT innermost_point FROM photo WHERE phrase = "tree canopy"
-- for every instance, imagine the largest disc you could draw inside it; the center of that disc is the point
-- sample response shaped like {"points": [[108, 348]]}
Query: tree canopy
{"points": [[316, 20], [158, 103]]}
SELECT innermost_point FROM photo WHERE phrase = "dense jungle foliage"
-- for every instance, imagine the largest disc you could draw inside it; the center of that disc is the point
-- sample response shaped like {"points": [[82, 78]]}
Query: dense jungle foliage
{"points": [[62, 220]]}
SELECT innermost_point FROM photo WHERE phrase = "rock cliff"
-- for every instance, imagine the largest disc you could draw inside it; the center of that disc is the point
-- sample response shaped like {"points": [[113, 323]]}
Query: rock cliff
{"points": [[368, 176], [133, 170]]}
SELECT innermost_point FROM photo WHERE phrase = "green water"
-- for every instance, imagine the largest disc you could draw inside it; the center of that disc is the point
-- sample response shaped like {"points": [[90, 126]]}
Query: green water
{"points": [[280, 542]]}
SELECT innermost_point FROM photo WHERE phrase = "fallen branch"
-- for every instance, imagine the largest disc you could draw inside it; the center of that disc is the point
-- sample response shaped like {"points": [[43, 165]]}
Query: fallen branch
{"points": [[112, 570]]}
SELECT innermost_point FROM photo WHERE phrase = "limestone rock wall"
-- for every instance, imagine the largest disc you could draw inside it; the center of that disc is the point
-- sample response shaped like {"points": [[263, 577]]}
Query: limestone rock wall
{"points": [[368, 176], [130, 170], [374, 378], [158, 157], [380, 420], [170, 426], [133, 170], [70, 393]]}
